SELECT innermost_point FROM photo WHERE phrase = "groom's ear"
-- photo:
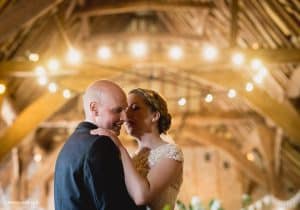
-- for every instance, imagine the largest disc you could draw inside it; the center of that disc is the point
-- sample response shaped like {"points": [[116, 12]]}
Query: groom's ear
{"points": [[94, 108]]}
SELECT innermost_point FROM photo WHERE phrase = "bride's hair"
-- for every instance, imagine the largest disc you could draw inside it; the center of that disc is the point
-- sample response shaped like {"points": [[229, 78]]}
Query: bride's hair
{"points": [[156, 103]]}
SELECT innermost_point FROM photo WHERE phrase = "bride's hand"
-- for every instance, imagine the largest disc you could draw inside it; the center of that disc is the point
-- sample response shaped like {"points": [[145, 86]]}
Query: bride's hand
{"points": [[109, 133]]}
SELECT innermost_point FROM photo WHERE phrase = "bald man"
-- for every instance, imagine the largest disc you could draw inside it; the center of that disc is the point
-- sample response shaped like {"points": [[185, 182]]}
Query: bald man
{"points": [[88, 171]]}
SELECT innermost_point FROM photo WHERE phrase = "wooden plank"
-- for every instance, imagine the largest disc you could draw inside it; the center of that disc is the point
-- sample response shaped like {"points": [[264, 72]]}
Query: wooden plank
{"points": [[144, 5], [204, 137], [23, 13]]}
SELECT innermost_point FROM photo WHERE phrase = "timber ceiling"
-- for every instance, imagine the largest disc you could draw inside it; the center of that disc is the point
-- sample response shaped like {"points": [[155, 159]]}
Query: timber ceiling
{"points": [[263, 123]]}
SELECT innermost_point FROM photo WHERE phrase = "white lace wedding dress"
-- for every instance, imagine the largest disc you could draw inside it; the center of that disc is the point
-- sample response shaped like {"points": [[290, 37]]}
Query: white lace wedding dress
{"points": [[146, 159]]}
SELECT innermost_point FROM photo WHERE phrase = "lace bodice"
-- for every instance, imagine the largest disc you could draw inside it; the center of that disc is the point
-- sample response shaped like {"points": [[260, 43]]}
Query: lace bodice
{"points": [[146, 159]]}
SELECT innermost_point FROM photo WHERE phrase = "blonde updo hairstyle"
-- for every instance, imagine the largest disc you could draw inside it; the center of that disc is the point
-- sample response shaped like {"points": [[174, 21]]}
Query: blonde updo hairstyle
{"points": [[156, 104]]}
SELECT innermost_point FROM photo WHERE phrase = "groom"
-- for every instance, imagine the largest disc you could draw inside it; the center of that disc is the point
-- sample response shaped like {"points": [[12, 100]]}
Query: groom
{"points": [[88, 171]]}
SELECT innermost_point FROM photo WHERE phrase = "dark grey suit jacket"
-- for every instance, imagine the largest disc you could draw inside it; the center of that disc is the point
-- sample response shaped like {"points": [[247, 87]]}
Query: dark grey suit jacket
{"points": [[89, 174]]}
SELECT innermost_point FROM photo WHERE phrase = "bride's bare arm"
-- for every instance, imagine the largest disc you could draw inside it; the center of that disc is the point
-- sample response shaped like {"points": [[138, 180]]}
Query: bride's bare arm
{"points": [[143, 190]]}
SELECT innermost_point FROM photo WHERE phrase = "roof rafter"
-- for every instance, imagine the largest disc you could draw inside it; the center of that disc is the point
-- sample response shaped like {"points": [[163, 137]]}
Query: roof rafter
{"points": [[144, 5], [28, 12]]}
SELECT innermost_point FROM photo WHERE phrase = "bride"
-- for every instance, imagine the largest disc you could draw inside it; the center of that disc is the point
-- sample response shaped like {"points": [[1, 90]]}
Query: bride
{"points": [[154, 175]]}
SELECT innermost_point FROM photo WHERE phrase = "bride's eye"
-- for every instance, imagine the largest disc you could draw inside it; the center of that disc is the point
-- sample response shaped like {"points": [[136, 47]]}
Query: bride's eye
{"points": [[134, 107]]}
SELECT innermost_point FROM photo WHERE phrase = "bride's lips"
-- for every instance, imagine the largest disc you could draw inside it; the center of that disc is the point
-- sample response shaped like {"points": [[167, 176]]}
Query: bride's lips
{"points": [[129, 123]]}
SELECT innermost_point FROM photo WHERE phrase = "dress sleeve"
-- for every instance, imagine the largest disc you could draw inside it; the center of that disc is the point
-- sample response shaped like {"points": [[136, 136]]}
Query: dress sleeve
{"points": [[174, 152]]}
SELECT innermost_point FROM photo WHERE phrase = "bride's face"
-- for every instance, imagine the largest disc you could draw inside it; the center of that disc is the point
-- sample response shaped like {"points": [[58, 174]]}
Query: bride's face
{"points": [[138, 116]]}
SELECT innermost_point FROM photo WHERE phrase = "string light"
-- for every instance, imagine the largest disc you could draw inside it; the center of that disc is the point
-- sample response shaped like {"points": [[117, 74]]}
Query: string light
{"points": [[210, 52], [238, 59], [2, 89], [256, 63], [67, 93], [139, 49], [249, 87], [53, 64], [175, 52], [40, 71], [74, 56], [260, 75], [37, 157], [181, 101], [209, 98], [42, 80], [250, 156], [231, 93], [52, 87], [258, 78], [104, 53], [34, 57]]}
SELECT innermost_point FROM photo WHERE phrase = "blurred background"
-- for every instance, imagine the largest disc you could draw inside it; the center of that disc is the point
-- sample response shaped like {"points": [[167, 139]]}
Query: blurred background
{"points": [[229, 70]]}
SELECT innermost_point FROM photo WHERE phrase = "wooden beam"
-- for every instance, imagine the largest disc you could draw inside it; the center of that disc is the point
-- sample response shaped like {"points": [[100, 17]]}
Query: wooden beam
{"points": [[267, 148], [144, 5], [217, 118], [29, 119], [204, 137], [41, 109], [281, 113], [287, 118], [23, 13], [234, 8]]}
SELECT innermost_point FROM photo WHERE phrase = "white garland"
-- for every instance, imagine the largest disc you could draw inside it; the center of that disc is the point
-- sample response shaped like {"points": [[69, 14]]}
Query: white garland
{"points": [[269, 199]]}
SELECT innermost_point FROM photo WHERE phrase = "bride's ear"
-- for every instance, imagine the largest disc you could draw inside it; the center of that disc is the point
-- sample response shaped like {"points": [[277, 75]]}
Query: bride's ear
{"points": [[156, 116]]}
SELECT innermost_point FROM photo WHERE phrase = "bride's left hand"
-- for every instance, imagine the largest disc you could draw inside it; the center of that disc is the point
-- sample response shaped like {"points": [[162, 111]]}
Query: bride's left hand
{"points": [[106, 132]]}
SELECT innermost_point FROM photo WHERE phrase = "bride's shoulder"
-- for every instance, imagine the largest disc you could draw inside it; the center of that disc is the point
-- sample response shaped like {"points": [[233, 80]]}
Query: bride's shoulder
{"points": [[168, 150]]}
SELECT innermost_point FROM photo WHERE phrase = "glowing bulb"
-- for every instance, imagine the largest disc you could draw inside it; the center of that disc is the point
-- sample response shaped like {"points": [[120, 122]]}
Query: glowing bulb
{"points": [[139, 49], [52, 87], [53, 64], [210, 53], [231, 93], [175, 53], [249, 87], [37, 157], [40, 71], [2, 88], [258, 205], [263, 71], [67, 93], [34, 57], [250, 156], [238, 59], [104, 53], [258, 78], [42, 80], [74, 56], [256, 63], [267, 199], [181, 101], [209, 98]]}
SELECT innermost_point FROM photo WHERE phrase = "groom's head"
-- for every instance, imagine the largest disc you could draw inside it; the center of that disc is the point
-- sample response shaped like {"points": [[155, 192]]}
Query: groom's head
{"points": [[104, 104]]}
